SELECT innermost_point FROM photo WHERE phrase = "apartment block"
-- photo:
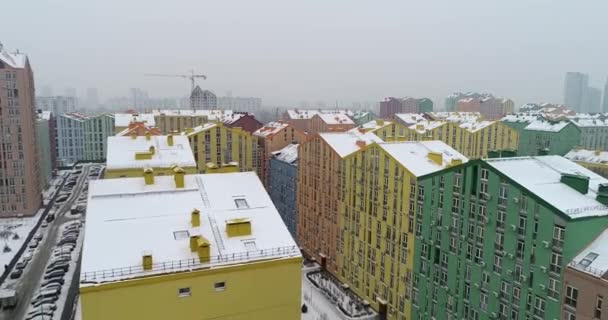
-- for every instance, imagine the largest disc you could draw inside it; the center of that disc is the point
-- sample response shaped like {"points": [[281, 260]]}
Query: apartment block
{"points": [[97, 129], [361, 117], [391, 106], [538, 136], [594, 160], [169, 121], [132, 156], [57, 104], [241, 104], [380, 204], [243, 120], [324, 122], [321, 185], [283, 185], [272, 137], [44, 139], [384, 129], [219, 148], [302, 119], [594, 130], [123, 120], [82, 137], [452, 99], [586, 283], [489, 107], [187, 247]]}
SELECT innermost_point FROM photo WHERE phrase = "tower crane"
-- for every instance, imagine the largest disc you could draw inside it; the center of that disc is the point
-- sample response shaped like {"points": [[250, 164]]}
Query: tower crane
{"points": [[192, 77]]}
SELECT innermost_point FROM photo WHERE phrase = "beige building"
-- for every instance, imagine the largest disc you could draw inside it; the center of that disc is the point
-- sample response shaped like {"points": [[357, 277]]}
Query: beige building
{"points": [[271, 137], [19, 184]]}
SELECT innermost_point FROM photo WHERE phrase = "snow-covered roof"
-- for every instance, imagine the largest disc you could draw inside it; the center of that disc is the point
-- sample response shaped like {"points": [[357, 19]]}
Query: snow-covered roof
{"points": [[414, 155], [335, 118], [126, 217], [541, 175], [584, 155], [122, 150], [593, 259], [270, 129], [544, 125], [410, 118], [426, 125], [13, 59], [231, 117], [202, 127], [374, 125], [123, 119], [288, 154], [520, 117], [475, 126], [360, 114], [455, 116], [212, 115], [75, 116], [308, 114], [44, 115], [589, 122], [345, 143]]}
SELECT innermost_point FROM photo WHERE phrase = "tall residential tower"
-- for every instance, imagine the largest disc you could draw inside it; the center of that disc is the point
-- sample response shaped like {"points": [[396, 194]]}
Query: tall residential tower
{"points": [[575, 90]]}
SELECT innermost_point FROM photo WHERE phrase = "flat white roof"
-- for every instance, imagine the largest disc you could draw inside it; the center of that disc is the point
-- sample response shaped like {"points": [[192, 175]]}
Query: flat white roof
{"points": [[426, 125], [335, 118], [126, 217], [410, 118], [455, 116], [270, 129], [122, 149], [474, 126], [308, 114], [414, 155], [123, 119], [345, 143], [594, 258], [373, 125], [541, 175], [585, 155], [202, 127], [520, 117], [288, 154], [13, 59], [589, 122], [543, 125]]}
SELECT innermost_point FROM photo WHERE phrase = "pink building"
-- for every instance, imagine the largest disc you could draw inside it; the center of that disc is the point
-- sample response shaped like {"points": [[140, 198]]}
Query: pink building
{"points": [[19, 179]]}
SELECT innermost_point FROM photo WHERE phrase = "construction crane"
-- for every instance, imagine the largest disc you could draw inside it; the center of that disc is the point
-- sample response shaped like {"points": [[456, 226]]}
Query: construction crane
{"points": [[192, 76]]}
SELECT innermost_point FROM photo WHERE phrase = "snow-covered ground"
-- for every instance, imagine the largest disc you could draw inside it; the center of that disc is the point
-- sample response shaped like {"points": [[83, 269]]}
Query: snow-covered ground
{"points": [[13, 232]]}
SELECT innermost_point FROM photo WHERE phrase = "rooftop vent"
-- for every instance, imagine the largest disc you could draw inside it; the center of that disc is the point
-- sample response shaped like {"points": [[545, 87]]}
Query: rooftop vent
{"points": [[379, 122], [178, 176], [456, 161], [238, 227], [577, 182], [195, 218], [436, 157], [145, 155], [170, 140], [146, 260], [361, 143], [133, 135], [202, 246], [148, 136], [602, 193], [149, 176]]}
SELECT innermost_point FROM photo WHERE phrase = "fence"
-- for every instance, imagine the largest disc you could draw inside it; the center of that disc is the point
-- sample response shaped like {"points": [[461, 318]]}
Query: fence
{"points": [[187, 264], [595, 271]]}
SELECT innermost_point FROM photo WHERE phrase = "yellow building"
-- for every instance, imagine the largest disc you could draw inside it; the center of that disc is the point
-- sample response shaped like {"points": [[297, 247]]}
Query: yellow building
{"points": [[465, 132], [377, 219], [179, 120], [384, 129], [122, 120], [187, 247], [594, 160], [129, 156], [218, 148]]}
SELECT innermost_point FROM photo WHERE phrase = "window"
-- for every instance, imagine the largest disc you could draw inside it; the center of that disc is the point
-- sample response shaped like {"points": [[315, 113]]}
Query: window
{"points": [[556, 262], [571, 296], [484, 174], [219, 286], [569, 315], [181, 234], [241, 203], [588, 259], [539, 307], [497, 263], [483, 303], [559, 233], [553, 288], [184, 292], [599, 300]]}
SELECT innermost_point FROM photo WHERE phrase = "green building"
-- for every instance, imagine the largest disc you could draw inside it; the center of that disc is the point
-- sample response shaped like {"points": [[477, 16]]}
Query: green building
{"points": [[594, 130], [493, 237], [43, 140], [538, 136], [362, 117], [425, 105], [97, 129]]}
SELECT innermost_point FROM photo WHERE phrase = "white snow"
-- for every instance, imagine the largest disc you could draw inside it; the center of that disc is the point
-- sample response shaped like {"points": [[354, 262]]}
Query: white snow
{"points": [[585, 155], [335, 118], [414, 155], [374, 125], [123, 119], [198, 129], [270, 129], [541, 175], [426, 125], [126, 217], [475, 126], [308, 114], [455, 116], [11, 227], [121, 152], [520, 117], [288, 154], [345, 143], [589, 122], [13, 59], [212, 115], [599, 265], [543, 125], [410, 118]]}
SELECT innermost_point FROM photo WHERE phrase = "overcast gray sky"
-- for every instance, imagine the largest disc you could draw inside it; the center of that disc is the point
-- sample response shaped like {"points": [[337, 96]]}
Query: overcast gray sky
{"points": [[288, 51]]}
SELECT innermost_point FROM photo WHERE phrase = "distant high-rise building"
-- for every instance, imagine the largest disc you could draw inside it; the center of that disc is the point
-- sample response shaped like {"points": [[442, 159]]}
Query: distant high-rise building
{"points": [[57, 104], [605, 103], [593, 100], [47, 91], [92, 98], [454, 98], [139, 98], [70, 92], [20, 191], [243, 104], [203, 99], [575, 90], [391, 106]]}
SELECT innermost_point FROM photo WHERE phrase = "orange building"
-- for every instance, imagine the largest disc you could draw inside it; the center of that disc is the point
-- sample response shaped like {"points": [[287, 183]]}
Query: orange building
{"points": [[303, 119], [139, 128], [271, 137], [321, 175], [324, 122]]}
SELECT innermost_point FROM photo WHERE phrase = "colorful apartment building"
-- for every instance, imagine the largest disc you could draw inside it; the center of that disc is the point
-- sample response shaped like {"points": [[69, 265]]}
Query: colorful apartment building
{"points": [[243, 120], [377, 220], [44, 141], [494, 237], [391, 106], [452, 99], [384, 129], [122, 121], [138, 128], [594, 160], [324, 122], [218, 148], [272, 137], [96, 131], [283, 185], [302, 119], [321, 184], [132, 156], [82, 137], [543, 137], [489, 107], [586, 283], [179, 120], [187, 247], [594, 130]]}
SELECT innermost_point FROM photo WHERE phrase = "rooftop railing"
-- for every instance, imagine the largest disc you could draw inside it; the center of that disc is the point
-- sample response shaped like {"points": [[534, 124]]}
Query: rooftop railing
{"points": [[186, 264], [600, 273]]}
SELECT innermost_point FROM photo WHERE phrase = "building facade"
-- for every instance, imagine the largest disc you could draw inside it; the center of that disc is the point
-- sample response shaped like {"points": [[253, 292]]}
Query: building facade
{"points": [[272, 137], [361, 117], [216, 146], [283, 185], [330, 123], [199, 247], [57, 104], [452, 99], [575, 90], [391, 106], [20, 187], [243, 120], [82, 137], [43, 140], [302, 118], [594, 130], [594, 160], [97, 129], [203, 99], [544, 137]]}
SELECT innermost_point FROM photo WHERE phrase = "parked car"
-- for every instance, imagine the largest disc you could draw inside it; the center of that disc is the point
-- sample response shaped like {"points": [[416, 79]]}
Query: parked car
{"points": [[27, 256], [33, 244], [38, 236], [59, 281], [54, 274], [39, 299], [40, 315], [62, 267], [61, 198], [21, 264], [16, 274]]}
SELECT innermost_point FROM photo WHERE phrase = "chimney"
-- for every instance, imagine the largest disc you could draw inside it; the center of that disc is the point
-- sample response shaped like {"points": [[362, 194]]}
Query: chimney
{"points": [[361, 130], [379, 122], [194, 242], [203, 247], [436, 157], [238, 227], [456, 161], [170, 140], [146, 260], [361, 143], [152, 150], [602, 193], [149, 176], [577, 182], [133, 135], [148, 136], [195, 218], [598, 152], [178, 176]]}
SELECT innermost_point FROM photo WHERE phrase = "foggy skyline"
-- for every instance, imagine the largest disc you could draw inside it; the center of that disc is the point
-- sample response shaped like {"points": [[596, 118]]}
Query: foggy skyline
{"points": [[317, 50]]}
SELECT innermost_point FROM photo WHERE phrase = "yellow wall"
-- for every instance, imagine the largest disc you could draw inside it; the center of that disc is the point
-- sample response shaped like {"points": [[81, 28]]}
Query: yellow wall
{"points": [[179, 123], [139, 172], [599, 168], [242, 149], [265, 291]]}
